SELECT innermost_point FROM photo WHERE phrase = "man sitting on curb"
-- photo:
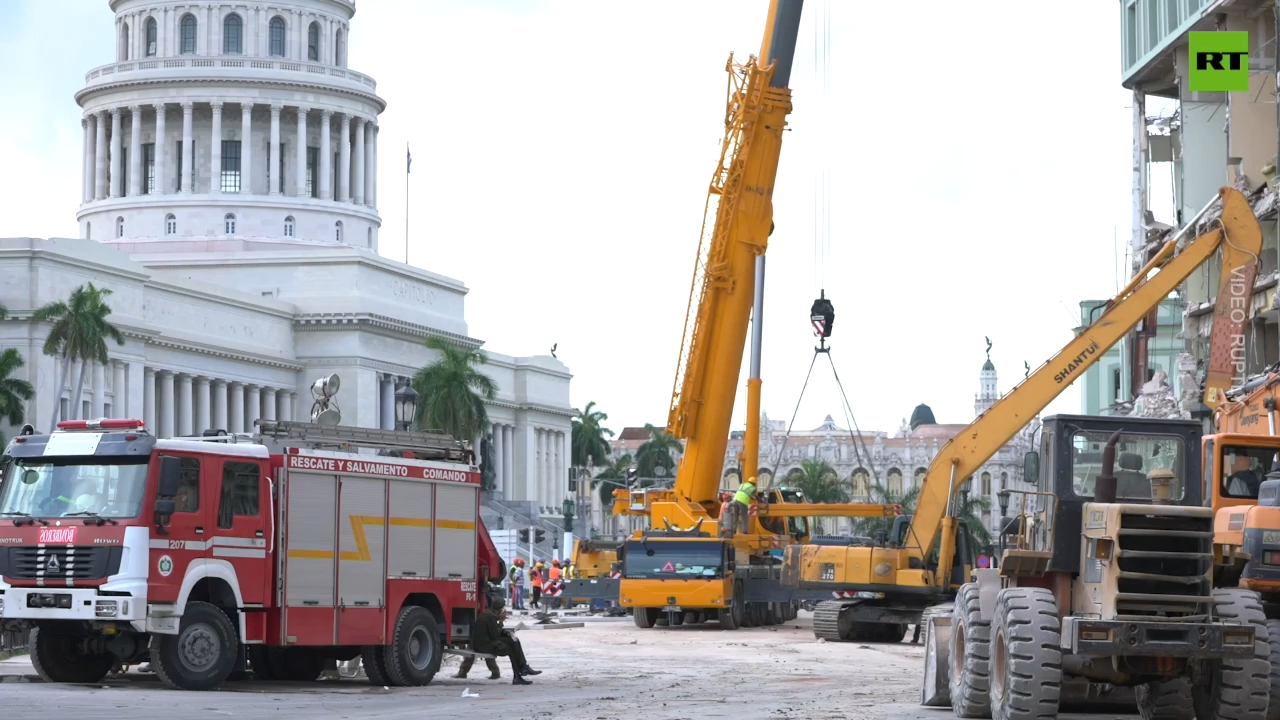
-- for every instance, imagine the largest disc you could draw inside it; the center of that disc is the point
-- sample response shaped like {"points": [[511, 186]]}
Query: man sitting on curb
{"points": [[489, 637]]}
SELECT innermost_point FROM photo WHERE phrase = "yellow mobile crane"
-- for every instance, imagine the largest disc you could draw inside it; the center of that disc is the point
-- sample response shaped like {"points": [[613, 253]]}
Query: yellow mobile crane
{"points": [[682, 565], [895, 583]]}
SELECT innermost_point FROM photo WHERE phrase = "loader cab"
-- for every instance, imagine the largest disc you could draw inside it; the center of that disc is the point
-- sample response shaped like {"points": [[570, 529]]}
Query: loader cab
{"points": [[1070, 458]]}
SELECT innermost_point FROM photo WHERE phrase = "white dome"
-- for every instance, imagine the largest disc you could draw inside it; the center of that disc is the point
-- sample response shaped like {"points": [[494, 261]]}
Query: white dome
{"points": [[204, 77]]}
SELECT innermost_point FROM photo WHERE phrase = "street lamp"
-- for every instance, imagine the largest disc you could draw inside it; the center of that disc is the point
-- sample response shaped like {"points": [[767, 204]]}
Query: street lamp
{"points": [[406, 405], [1003, 498], [965, 487], [567, 509]]}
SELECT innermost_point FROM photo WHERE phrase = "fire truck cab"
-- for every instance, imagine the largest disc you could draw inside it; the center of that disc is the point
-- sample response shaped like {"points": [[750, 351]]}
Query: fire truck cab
{"points": [[288, 548]]}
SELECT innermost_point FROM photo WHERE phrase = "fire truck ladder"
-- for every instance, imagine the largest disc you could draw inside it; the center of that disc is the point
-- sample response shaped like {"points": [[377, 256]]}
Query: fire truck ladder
{"points": [[422, 445]]}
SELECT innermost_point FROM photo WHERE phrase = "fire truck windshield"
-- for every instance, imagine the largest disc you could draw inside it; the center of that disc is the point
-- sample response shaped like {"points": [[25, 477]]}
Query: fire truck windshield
{"points": [[43, 487]]}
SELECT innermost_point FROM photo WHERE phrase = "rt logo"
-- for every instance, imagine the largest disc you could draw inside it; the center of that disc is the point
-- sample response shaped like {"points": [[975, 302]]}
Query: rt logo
{"points": [[1219, 61]]}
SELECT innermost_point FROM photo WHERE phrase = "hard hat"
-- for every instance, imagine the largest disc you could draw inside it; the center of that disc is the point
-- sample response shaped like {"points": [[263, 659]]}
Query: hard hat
{"points": [[752, 479]]}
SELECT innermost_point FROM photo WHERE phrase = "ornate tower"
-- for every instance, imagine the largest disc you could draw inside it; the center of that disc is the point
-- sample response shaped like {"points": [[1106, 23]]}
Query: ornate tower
{"points": [[987, 393], [234, 123]]}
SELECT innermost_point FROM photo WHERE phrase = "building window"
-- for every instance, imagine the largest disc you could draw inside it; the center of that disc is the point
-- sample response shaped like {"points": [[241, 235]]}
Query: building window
{"points": [[1115, 385], [229, 224], [1004, 480], [277, 36], [288, 226], [337, 231], [313, 42], [339, 49], [148, 168], [119, 227], [313, 162], [230, 166], [188, 36], [188, 497], [986, 484], [280, 168], [124, 41], [151, 37], [170, 224], [124, 171], [333, 181], [232, 35], [240, 492]]}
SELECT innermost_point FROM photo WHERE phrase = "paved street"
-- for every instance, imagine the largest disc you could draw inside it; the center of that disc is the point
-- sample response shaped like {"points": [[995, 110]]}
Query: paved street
{"points": [[605, 670]]}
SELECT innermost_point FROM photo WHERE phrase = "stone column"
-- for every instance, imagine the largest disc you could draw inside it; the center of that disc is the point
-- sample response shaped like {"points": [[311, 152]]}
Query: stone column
{"points": [[386, 403], [301, 156], [288, 400], [119, 395], [269, 404], [149, 399], [540, 493], [373, 183], [187, 117], [253, 408], [117, 168], [204, 419], [86, 162], [166, 412], [326, 162], [185, 410], [235, 423], [215, 150], [368, 163], [508, 455], [497, 457], [220, 405], [344, 158], [273, 161], [162, 151], [562, 482], [358, 181], [135, 150], [246, 148], [100, 157], [97, 406]]}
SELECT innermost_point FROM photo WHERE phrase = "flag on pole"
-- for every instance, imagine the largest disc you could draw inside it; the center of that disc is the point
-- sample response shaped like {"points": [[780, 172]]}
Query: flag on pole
{"points": [[408, 157]]}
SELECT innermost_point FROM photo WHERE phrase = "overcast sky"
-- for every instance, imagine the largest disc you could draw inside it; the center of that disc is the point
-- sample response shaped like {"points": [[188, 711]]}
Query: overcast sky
{"points": [[978, 166]]}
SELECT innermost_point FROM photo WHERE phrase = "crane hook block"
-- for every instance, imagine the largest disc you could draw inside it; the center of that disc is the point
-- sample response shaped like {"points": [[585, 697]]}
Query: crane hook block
{"points": [[822, 315]]}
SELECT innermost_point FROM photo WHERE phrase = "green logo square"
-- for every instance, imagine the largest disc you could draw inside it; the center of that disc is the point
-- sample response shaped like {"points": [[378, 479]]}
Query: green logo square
{"points": [[1219, 61]]}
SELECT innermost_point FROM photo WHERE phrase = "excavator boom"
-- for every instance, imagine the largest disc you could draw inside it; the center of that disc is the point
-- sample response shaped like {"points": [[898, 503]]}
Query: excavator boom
{"points": [[1238, 235]]}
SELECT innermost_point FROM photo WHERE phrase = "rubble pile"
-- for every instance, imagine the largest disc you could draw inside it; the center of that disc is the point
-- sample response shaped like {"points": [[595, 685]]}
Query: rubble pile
{"points": [[1157, 399]]}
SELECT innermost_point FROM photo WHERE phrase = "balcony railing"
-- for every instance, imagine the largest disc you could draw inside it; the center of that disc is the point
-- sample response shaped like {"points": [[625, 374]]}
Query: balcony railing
{"points": [[240, 66], [1148, 27]]}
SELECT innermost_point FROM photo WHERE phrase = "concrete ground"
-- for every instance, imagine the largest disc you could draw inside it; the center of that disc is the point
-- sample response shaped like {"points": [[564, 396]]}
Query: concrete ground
{"points": [[604, 670]]}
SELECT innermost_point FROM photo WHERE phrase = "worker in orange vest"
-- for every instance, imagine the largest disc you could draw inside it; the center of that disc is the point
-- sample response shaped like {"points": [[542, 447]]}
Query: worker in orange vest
{"points": [[535, 583], [554, 575]]}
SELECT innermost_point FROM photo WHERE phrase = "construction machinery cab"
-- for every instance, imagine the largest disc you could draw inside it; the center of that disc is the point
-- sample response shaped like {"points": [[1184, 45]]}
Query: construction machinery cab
{"points": [[1070, 460], [965, 553]]}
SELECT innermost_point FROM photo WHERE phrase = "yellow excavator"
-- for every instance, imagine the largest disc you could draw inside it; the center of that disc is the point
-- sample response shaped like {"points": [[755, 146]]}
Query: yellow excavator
{"points": [[870, 591]]}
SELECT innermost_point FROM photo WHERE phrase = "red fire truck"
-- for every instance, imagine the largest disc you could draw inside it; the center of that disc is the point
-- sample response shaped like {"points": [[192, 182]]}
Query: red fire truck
{"points": [[290, 547]]}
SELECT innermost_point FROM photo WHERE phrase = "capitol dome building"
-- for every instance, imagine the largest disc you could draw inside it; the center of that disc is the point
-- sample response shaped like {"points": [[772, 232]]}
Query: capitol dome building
{"points": [[230, 204]]}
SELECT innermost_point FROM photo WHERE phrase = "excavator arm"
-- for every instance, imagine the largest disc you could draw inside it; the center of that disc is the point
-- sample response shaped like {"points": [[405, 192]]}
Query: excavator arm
{"points": [[1239, 237]]}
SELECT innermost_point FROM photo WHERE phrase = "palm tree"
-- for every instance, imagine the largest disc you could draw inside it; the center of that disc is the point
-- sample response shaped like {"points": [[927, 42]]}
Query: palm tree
{"points": [[80, 332], [452, 391], [878, 527], [656, 452], [588, 445], [13, 392], [4, 312], [819, 483], [616, 471]]}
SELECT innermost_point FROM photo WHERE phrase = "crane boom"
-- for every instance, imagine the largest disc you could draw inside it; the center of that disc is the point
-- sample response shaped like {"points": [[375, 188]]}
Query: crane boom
{"points": [[1240, 238], [737, 220]]}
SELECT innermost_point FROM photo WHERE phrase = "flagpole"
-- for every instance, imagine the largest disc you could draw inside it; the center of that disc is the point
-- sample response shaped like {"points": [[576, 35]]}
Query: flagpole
{"points": [[408, 162]]}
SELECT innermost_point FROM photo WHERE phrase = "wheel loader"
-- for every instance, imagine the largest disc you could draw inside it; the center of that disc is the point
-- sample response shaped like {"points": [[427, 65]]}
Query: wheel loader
{"points": [[1104, 581]]}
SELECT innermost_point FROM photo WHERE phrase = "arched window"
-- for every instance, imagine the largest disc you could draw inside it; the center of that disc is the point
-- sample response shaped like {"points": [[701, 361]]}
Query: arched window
{"points": [[339, 49], [229, 224], [170, 224], [277, 36], [861, 481], [288, 226], [337, 232], [918, 481], [232, 35], [986, 483], [313, 42], [124, 41], [894, 485], [151, 37], [187, 40], [120, 227], [1004, 480]]}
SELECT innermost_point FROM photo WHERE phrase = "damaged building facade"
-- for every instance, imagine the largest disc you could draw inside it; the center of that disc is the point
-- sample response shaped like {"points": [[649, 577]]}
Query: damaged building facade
{"points": [[1186, 145]]}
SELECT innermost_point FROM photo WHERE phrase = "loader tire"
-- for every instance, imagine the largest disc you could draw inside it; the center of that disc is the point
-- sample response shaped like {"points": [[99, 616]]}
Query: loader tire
{"points": [[969, 657], [1238, 688], [1165, 700], [1026, 657], [1273, 641], [644, 617]]}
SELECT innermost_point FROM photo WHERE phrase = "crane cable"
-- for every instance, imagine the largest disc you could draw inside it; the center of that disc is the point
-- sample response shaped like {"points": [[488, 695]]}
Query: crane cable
{"points": [[822, 172]]}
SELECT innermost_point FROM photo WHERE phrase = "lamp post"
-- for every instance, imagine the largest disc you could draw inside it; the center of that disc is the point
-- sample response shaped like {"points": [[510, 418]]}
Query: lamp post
{"points": [[406, 405], [965, 487]]}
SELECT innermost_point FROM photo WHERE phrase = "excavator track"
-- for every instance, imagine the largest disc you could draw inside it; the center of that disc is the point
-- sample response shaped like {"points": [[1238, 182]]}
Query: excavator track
{"points": [[826, 620]]}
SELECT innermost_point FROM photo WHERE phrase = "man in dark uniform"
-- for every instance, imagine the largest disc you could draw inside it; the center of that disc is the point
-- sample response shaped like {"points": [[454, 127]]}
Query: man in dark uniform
{"points": [[488, 636]]}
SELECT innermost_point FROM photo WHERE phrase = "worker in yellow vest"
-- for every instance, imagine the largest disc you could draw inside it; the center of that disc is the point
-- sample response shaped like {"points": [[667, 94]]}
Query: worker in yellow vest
{"points": [[742, 501]]}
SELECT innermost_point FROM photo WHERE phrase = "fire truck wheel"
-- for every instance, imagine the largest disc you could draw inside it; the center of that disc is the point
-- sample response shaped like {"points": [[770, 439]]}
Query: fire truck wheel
{"points": [[202, 654], [414, 655], [1237, 688], [57, 659], [375, 664]]}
